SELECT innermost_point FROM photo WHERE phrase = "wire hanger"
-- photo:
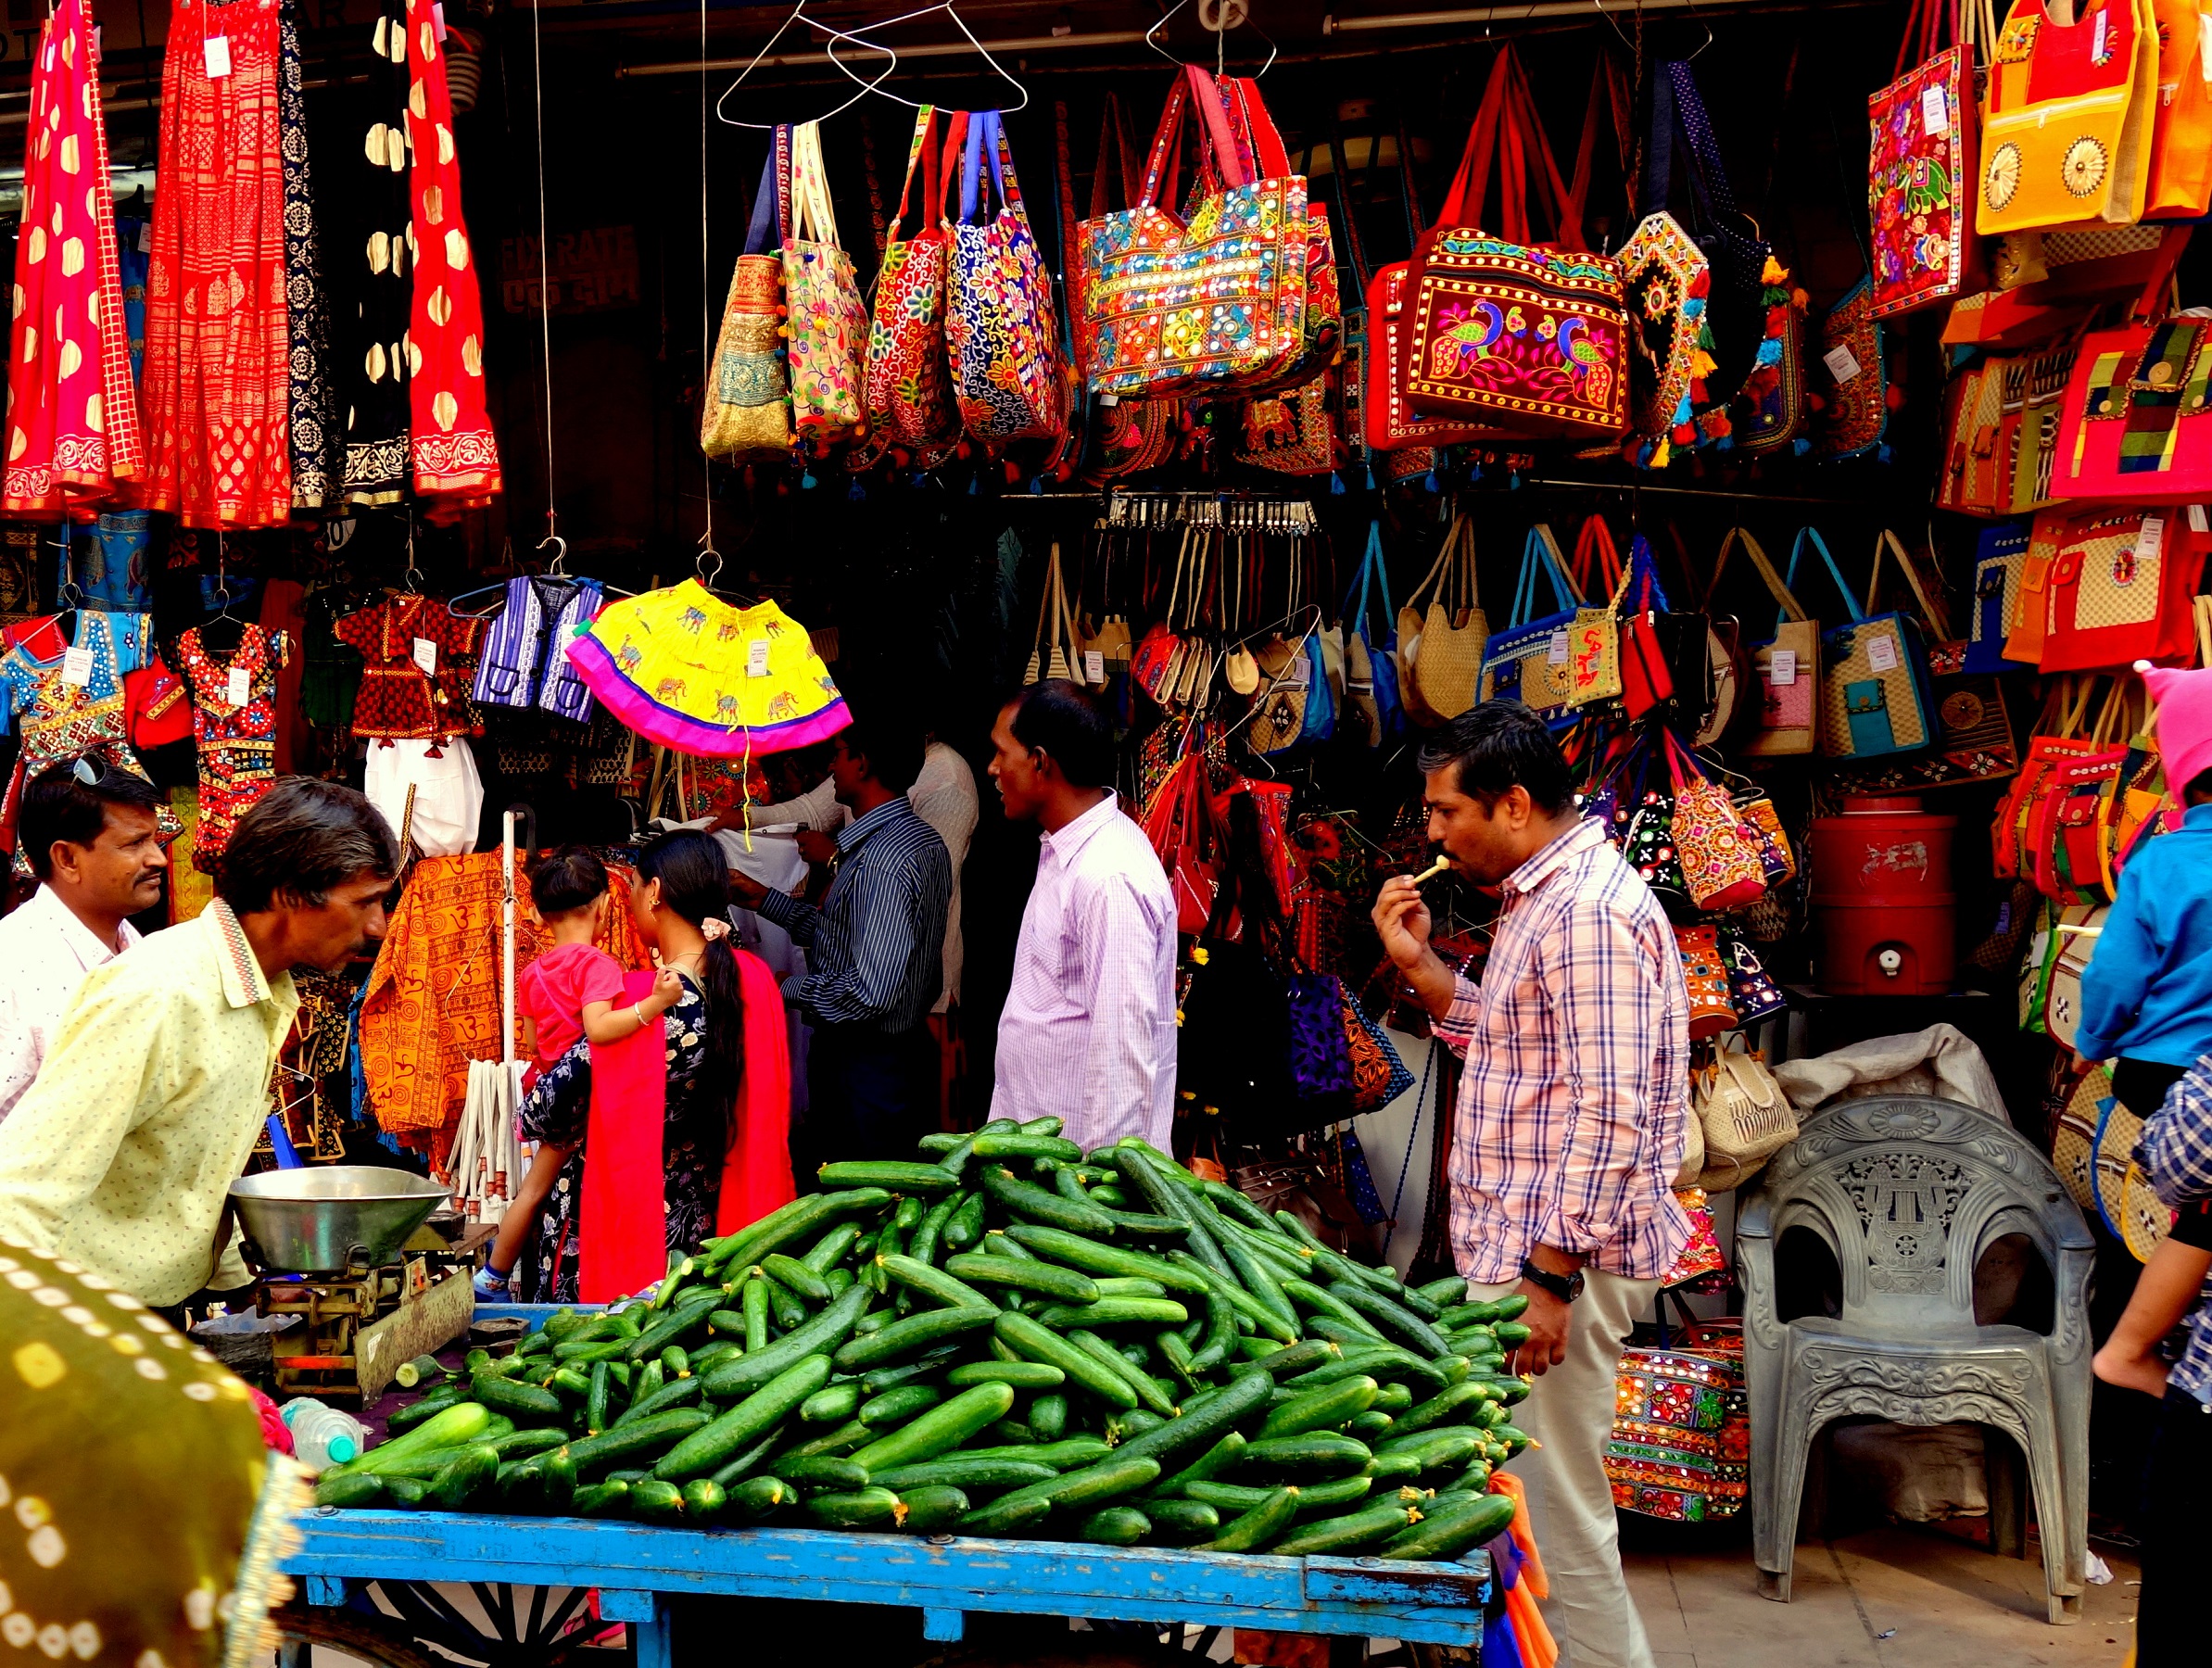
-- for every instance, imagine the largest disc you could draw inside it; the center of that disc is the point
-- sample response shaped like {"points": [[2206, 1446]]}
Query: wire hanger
{"points": [[1220, 16], [960, 23], [836, 35]]}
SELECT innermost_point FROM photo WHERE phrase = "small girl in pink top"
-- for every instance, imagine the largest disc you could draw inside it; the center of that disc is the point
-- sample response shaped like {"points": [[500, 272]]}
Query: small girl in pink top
{"points": [[572, 992]]}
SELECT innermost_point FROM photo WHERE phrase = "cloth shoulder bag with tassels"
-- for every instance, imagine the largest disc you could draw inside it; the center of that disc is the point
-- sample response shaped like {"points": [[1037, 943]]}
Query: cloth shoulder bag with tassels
{"points": [[829, 326], [909, 390], [1744, 1116], [1455, 630], [747, 407], [1734, 253]]}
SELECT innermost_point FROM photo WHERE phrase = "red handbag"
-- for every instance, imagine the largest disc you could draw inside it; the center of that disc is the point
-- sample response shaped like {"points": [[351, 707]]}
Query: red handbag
{"points": [[2120, 590], [1922, 171], [2065, 838], [2135, 421], [909, 383], [1181, 824]]}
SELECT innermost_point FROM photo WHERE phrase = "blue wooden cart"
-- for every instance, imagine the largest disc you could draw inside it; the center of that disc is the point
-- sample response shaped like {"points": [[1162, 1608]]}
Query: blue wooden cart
{"points": [[636, 1567]]}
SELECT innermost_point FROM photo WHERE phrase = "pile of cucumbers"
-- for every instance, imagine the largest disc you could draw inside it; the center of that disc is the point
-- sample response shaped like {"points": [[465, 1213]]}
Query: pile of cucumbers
{"points": [[1008, 1337]]}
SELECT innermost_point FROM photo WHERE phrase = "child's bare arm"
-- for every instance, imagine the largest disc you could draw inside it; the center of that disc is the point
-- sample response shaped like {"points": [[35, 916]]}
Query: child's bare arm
{"points": [[2166, 1291], [522, 1211]]}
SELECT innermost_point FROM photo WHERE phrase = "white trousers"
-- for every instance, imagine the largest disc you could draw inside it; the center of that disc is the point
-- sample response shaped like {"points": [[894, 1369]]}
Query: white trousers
{"points": [[1570, 1413], [442, 819]]}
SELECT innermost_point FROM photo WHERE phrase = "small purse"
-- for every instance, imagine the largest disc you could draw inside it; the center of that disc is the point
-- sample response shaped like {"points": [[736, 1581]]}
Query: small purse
{"points": [[1785, 720], [1746, 1116], [1720, 857], [1705, 975]]}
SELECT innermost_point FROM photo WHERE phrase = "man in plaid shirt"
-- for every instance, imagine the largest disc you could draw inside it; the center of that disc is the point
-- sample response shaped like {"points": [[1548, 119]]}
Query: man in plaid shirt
{"points": [[1569, 1124]]}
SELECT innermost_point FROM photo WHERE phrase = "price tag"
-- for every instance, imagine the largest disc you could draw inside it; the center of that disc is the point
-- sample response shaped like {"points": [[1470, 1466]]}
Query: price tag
{"points": [[2204, 45], [1293, 676], [2197, 523], [1781, 668], [2100, 36], [426, 656], [1094, 666], [76, 666], [217, 49], [1843, 363], [241, 685], [756, 658], [146, 238], [437, 19], [1109, 400], [1935, 112], [1881, 653], [1555, 651], [2153, 537]]}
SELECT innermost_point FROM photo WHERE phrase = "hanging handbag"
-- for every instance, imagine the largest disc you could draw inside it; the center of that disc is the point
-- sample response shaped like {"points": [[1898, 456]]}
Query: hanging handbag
{"points": [[2000, 553], [1530, 660], [1874, 670], [1053, 655], [829, 327], [1785, 720], [1179, 821], [1455, 632], [1321, 336], [2120, 590], [2181, 182], [1922, 161], [1321, 1057], [1000, 335], [1850, 407], [1523, 337], [1736, 253], [1705, 978], [747, 403], [1745, 1116], [2133, 423], [909, 387], [1362, 649], [1213, 303], [1292, 432], [1771, 412], [2066, 119], [1720, 857], [1595, 676], [1665, 282], [2055, 739], [2028, 622]]}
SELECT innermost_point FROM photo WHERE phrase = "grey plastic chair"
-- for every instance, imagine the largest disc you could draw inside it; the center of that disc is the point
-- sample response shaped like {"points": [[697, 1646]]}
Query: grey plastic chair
{"points": [[1907, 1191]]}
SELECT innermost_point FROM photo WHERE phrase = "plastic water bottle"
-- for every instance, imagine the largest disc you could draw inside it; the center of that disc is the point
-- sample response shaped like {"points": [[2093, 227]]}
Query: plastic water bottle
{"points": [[321, 1437]]}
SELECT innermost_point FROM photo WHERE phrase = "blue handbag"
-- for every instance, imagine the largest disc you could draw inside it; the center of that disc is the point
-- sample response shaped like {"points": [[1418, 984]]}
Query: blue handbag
{"points": [[1381, 658], [1321, 696], [1529, 661], [1874, 696], [2000, 558]]}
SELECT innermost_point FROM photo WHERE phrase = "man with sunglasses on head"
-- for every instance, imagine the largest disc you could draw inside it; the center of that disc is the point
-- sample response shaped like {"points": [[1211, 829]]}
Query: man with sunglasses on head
{"points": [[91, 832]]}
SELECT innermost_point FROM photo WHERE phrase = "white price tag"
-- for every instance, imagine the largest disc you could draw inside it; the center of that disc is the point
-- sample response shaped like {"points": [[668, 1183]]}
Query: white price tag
{"points": [[1109, 400], [76, 666], [1935, 112], [1843, 363], [1881, 653], [1293, 676], [756, 658], [437, 19], [2204, 45], [2100, 35], [218, 48], [426, 656], [1781, 668], [1555, 651], [2152, 537], [146, 238], [2197, 522], [241, 689], [1094, 666]]}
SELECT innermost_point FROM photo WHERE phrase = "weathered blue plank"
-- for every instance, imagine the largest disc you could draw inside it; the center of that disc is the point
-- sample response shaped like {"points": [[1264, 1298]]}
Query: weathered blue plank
{"points": [[1433, 1603]]}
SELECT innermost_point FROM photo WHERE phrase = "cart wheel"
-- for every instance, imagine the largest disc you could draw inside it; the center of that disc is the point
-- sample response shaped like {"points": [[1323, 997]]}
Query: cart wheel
{"points": [[373, 1640]]}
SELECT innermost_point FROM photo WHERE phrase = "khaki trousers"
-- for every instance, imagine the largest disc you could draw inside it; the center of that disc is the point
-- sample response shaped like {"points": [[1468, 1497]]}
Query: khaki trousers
{"points": [[1570, 1413]]}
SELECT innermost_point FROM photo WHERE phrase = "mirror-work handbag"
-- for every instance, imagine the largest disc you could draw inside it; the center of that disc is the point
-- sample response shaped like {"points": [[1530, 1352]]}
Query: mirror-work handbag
{"points": [[1002, 336], [1705, 975], [1665, 281], [1736, 253], [1921, 166], [1720, 857]]}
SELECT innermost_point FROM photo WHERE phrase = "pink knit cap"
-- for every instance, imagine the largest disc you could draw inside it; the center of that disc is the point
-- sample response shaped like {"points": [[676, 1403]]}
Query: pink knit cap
{"points": [[2185, 726]]}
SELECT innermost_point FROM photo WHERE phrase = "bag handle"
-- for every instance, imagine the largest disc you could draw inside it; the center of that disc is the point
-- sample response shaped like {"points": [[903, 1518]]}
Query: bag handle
{"points": [[1677, 107], [1508, 130], [1433, 578], [1114, 136], [1835, 573], [1597, 560], [1931, 615], [1792, 608], [921, 150], [811, 208], [1269, 160], [1541, 549], [771, 204]]}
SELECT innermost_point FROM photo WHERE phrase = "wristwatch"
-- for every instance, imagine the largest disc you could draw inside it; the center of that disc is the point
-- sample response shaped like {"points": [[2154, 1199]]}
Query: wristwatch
{"points": [[1566, 1287]]}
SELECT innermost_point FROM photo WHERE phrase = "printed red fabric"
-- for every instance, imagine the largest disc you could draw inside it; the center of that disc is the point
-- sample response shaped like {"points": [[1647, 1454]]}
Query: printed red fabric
{"points": [[72, 429], [218, 388], [456, 455]]}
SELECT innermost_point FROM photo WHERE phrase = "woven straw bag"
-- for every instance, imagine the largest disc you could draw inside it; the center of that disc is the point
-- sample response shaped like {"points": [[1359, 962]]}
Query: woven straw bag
{"points": [[1455, 630]]}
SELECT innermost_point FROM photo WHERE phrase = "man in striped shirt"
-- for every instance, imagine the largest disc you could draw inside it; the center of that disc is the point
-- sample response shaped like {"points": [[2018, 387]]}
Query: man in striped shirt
{"points": [[875, 949], [1569, 1125]]}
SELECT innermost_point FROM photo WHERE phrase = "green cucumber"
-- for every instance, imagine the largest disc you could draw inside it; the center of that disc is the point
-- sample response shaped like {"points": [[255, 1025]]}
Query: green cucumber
{"points": [[1233, 1204], [649, 1379], [1106, 1196], [1177, 1354], [877, 1379], [1245, 1305], [1182, 1520], [938, 1143], [1022, 1375], [1205, 1420], [453, 1425], [1220, 1335], [1048, 1413], [687, 1318], [1392, 1399], [1258, 1280], [642, 1441], [1371, 1426], [704, 1499], [908, 1216], [349, 1489], [746, 1463], [842, 1440], [929, 1234], [1217, 1459], [932, 1507], [964, 1226], [1038, 1343], [1443, 1407], [1346, 1533], [408, 1374], [1316, 1499], [1452, 1523], [460, 1477], [1017, 1146], [1138, 1224], [940, 1285], [1257, 1526], [655, 1500], [1114, 1526], [1452, 1289], [1035, 1204], [1434, 1450], [861, 1509], [521, 1445], [801, 1219], [406, 1493], [940, 1429], [406, 1419], [672, 1393], [1328, 1304], [728, 1325], [706, 1449], [728, 1380], [896, 1407], [1116, 1311], [1104, 1481], [829, 1251], [1287, 1363], [1148, 1390], [568, 1382], [896, 1175], [1511, 1334], [910, 1336], [1066, 1454], [1055, 1244], [962, 1471], [797, 1276], [1316, 1453], [1329, 1408], [755, 1498], [1048, 1280], [1126, 1286], [784, 1304], [600, 1499], [826, 1472], [1393, 1319], [832, 1404], [753, 1300]]}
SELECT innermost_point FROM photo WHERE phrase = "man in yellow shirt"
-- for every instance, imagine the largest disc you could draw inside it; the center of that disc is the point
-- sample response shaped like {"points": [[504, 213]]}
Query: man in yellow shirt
{"points": [[120, 1156]]}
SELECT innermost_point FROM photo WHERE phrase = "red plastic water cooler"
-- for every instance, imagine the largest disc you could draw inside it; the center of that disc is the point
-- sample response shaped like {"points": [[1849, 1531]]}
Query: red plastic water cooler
{"points": [[1882, 899]]}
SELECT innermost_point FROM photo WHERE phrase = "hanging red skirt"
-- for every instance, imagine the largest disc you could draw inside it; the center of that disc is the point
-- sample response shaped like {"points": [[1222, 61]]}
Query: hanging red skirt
{"points": [[217, 390]]}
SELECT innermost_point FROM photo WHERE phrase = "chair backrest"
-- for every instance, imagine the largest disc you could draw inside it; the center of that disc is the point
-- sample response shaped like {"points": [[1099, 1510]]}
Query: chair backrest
{"points": [[1907, 1191]]}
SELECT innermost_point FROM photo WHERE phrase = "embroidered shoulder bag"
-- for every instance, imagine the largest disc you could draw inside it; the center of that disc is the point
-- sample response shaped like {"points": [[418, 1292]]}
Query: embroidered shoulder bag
{"points": [[828, 328], [1921, 161], [910, 397], [747, 407], [1001, 336]]}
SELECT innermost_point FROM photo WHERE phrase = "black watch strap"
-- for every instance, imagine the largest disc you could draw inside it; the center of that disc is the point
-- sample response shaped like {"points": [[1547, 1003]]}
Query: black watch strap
{"points": [[1566, 1287]]}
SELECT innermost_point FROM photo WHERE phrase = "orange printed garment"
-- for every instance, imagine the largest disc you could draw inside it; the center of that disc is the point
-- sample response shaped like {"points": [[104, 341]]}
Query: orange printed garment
{"points": [[456, 455]]}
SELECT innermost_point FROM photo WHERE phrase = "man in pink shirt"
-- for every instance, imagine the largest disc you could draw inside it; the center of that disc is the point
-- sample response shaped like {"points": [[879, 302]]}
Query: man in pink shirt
{"points": [[1569, 1125]]}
